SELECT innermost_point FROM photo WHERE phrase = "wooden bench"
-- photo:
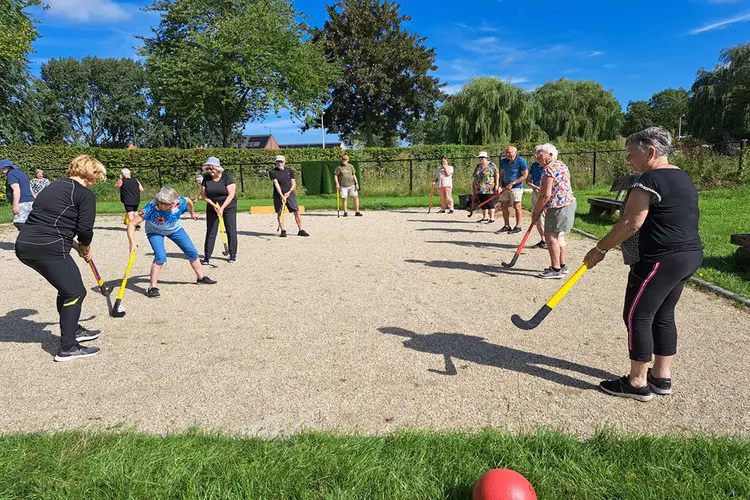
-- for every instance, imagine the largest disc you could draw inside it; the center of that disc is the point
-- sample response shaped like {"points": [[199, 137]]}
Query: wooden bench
{"points": [[743, 241], [608, 206]]}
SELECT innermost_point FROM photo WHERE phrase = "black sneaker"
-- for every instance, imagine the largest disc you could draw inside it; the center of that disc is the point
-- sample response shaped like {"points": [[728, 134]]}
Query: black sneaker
{"points": [[661, 386], [346, 214], [358, 214], [153, 292], [621, 387], [76, 352], [206, 261], [541, 244], [504, 229], [482, 220], [206, 281], [232, 258], [516, 229], [83, 335], [283, 233], [491, 221], [450, 211], [441, 211], [138, 226], [550, 273], [302, 232]]}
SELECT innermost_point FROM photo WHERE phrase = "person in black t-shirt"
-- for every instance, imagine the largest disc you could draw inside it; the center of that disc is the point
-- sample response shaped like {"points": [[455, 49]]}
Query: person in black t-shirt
{"points": [[64, 210], [663, 208], [284, 184], [130, 193], [219, 189]]}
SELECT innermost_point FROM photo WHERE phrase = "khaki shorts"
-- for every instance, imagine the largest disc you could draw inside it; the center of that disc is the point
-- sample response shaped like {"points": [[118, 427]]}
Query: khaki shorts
{"points": [[514, 196]]}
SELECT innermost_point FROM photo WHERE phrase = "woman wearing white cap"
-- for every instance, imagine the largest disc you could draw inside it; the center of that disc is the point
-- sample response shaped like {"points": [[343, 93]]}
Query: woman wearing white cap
{"points": [[219, 189], [130, 193]]}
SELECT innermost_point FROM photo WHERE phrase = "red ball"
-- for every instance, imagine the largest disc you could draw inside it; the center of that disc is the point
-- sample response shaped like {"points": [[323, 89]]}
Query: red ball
{"points": [[503, 484]]}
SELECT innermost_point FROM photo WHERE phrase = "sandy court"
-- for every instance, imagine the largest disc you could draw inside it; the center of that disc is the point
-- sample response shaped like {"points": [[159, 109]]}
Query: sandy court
{"points": [[395, 319]]}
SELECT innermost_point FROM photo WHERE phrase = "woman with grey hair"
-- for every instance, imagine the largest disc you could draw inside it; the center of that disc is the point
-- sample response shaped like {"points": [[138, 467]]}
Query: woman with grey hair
{"points": [[219, 190], [38, 183], [662, 207], [162, 216], [556, 197]]}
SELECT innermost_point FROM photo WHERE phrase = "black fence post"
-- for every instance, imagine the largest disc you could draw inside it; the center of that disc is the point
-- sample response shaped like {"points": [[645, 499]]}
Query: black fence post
{"points": [[242, 180], [742, 156], [593, 176], [158, 172], [411, 176]]}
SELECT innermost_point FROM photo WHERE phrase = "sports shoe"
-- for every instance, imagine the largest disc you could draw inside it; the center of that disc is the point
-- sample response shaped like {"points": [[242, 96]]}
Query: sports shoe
{"points": [[206, 281], [622, 388], [206, 261], [283, 233], [541, 244], [550, 273], [232, 258], [358, 214], [138, 226], [504, 229], [302, 232], [83, 335], [76, 352], [516, 229], [346, 214], [441, 211], [491, 221], [153, 292], [450, 211], [661, 386], [483, 220]]}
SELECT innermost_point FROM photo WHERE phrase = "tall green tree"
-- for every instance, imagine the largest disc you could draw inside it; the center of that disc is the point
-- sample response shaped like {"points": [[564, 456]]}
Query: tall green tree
{"points": [[668, 107], [578, 111], [488, 110], [237, 60], [103, 100], [18, 121], [638, 117], [720, 103], [384, 85]]}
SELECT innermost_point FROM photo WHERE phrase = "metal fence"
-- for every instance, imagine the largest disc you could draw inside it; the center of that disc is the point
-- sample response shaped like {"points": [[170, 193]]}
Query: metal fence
{"points": [[707, 165]]}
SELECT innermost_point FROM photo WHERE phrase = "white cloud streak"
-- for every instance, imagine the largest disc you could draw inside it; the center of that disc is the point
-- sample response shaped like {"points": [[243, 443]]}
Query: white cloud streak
{"points": [[84, 11], [740, 18]]}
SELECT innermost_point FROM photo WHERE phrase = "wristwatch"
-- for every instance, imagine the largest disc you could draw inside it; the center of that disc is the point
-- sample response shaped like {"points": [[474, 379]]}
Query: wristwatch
{"points": [[601, 251]]}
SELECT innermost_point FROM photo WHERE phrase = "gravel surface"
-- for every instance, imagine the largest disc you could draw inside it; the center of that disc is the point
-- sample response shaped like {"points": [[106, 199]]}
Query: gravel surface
{"points": [[395, 319]]}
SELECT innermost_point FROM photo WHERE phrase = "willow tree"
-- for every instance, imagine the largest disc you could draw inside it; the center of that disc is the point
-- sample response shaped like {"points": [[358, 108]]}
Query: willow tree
{"points": [[578, 111], [488, 110], [720, 102]]}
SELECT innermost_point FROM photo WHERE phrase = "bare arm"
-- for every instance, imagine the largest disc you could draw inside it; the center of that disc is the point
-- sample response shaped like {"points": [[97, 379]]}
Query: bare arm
{"points": [[545, 193], [294, 186], [140, 187], [278, 187], [16, 196], [231, 190], [118, 184]]}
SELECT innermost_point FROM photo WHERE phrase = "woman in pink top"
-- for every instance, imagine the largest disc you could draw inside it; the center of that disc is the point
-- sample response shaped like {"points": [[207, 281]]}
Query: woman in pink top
{"points": [[445, 186]]}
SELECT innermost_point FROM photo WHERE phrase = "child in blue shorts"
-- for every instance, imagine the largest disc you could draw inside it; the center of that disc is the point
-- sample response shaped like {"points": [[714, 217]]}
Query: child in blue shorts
{"points": [[162, 217]]}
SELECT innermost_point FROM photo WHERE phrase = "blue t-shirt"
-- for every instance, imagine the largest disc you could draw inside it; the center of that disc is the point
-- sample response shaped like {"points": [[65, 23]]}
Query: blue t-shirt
{"points": [[536, 173], [16, 176], [161, 222], [512, 171]]}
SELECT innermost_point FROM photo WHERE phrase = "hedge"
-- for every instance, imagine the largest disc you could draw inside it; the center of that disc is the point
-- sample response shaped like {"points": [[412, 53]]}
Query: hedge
{"points": [[317, 176]]}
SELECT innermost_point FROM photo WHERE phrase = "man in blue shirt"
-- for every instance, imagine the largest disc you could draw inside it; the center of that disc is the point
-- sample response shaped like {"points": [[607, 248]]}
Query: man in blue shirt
{"points": [[535, 183], [17, 192], [513, 171]]}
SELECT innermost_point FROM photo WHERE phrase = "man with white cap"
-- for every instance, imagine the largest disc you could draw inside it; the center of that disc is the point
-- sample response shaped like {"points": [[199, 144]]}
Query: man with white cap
{"points": [[284, 183], [130, 193], [17, 192], [486, 182]]}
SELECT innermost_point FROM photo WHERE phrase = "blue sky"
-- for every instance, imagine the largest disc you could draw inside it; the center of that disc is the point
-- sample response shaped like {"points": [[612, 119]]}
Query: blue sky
{"points": [[635, 50]]}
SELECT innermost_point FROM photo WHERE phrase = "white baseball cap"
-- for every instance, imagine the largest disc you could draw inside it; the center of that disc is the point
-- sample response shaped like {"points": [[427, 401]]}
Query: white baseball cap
{"points": [[483, 154], [280, 158]]}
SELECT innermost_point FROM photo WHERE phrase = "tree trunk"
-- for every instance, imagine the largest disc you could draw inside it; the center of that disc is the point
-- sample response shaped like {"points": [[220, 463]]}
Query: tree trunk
{"points": [[226, 127], [369, 142]]}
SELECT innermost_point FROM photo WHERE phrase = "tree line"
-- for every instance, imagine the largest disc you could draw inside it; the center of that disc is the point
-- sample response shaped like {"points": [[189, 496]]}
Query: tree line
{"points": [[211, 66]]}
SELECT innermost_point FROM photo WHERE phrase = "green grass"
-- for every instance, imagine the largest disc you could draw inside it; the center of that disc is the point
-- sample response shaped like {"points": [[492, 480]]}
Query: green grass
{"points": [[404, 465], [723, 212]]}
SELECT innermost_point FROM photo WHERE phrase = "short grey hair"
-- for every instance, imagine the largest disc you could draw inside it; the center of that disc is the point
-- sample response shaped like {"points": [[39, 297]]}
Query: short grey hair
{"points": [[125, 171], [39, 171], [167, 195], [652, 137], [546, 148]]}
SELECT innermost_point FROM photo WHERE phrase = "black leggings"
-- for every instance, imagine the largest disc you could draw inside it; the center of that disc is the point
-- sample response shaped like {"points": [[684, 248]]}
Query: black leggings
{"points": [[66, 278], [212, 228], [654, 288]]}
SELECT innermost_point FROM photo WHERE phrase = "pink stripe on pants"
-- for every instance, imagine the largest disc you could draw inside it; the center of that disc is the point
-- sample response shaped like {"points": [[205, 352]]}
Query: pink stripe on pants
{"points": [[635, 303]]}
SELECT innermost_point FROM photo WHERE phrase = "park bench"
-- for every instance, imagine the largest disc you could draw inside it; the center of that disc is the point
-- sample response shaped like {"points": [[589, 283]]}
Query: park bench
{"points": [[608, 206], [743, 241]]}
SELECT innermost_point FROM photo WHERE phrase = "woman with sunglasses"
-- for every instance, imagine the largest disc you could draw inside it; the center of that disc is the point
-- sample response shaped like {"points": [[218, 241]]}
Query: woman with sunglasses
{"points": [[219, 189]]}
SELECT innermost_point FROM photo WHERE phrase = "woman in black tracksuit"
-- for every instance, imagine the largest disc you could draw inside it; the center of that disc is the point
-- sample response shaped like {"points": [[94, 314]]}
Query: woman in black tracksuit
{"points": [[662, 208], [219, 189], [66, 209]]}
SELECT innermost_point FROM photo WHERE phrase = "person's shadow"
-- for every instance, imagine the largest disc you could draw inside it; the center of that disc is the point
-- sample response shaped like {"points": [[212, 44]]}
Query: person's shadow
{"points": [[477, 350], [14, 327]]}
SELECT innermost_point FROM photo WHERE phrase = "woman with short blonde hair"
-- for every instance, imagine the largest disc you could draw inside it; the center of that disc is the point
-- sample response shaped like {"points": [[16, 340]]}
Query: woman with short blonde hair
{"points": [[64, 210]]}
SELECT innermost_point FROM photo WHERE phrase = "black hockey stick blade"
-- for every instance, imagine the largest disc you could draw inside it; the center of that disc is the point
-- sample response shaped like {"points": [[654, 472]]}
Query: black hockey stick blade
{"points": [[533, 322], [508, 265], [117, 310]]}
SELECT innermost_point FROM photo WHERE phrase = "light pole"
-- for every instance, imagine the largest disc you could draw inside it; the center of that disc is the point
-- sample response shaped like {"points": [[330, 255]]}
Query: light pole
{"points": [[679, 129], [323, 129], [269, 130]]}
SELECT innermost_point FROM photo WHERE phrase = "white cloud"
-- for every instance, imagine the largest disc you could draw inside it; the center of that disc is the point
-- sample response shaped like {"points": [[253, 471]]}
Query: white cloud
{"points": [[596, 53], [83, 11], [487, 28], [721, 24]]}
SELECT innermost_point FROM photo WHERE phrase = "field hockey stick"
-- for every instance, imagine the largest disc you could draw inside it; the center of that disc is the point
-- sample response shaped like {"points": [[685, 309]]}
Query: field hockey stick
{"points": [[105, 291], [520, 248], [471, 210], [432, 192], [223, 234], [117, 310], [283, 206], [551, 303]]}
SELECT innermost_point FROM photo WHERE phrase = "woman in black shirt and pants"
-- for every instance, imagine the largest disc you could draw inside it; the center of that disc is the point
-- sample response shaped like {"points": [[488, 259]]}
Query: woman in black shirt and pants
{"points": [[64, 210], [219, 192], [663, 208]]}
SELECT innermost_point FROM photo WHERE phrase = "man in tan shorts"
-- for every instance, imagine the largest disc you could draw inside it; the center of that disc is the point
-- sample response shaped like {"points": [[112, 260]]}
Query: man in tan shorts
{"points": [[513, 171]]}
